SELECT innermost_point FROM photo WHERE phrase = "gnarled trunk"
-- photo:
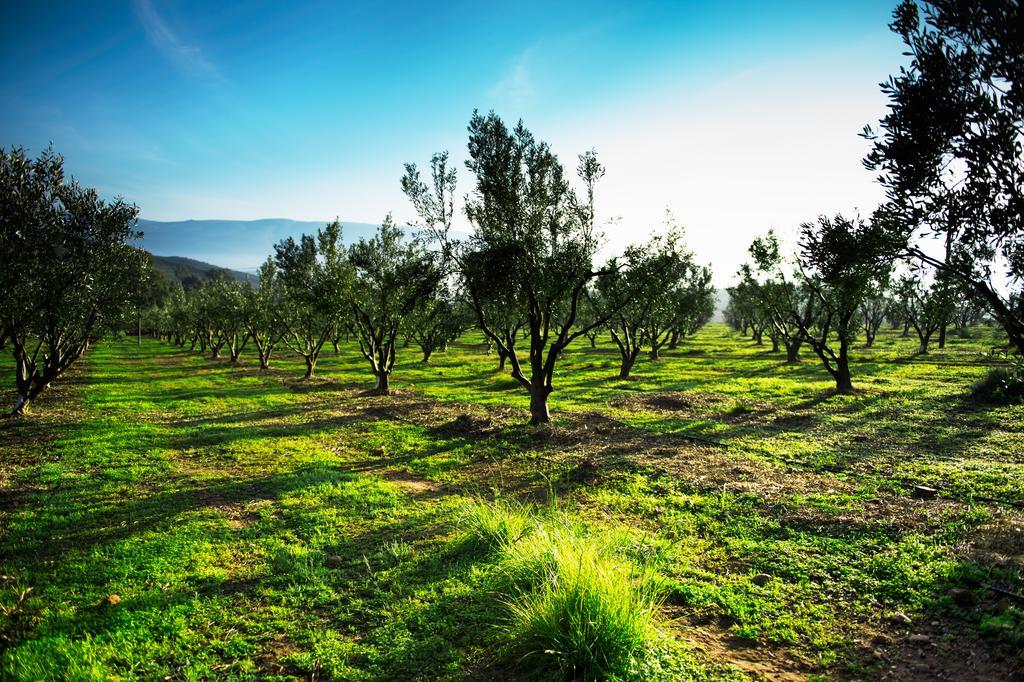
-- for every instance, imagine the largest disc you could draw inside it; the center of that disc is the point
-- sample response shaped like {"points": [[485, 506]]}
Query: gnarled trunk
{"points": [[383, 383], [793, 352], [627, 365], [21, 402], [844, 383], [539, 392]]}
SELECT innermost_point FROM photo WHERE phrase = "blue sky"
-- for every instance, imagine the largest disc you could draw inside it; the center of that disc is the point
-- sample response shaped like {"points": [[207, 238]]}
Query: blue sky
{"points": [[737, 116]]}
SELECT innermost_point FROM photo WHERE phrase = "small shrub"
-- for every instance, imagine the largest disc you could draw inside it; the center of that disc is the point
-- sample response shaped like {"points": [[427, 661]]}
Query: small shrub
{"points": [[398, 551], [1000, 386]]}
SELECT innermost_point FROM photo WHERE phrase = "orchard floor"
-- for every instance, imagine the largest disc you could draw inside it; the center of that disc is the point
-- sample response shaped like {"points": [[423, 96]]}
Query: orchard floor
{"points": [[168, 516]]}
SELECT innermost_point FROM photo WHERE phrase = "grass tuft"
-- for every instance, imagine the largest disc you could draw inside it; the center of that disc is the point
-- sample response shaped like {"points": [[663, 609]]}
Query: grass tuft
{"points": [[591, 617], [578, 607], [488, 528]]}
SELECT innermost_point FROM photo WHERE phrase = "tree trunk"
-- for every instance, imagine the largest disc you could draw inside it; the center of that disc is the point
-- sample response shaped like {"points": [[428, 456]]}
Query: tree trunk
{"points": [[627, 365], [383, 385], [427, 351], [775, 344], [942, 335], [655, 352], [502, 357], [310, 366], [844, 384], [673, 341], [923, 345], [793, 353], [264, 362], [906, 329], [21, 402], [539, 393]]}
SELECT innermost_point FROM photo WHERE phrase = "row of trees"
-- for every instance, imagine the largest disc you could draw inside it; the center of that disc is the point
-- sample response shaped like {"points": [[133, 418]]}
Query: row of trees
{"points": [[68, 271], [818, 300], [526, 277], [908, 299], [949, 155], [794, 303], [314, 291]]}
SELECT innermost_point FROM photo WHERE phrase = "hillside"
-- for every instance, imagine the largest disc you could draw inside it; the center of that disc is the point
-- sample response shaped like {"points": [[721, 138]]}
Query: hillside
{"points": [[182, 270], [236, 244]]}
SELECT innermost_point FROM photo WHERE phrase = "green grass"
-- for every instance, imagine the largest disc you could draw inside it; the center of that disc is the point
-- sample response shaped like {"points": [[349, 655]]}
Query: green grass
{"points": [[255, 526]]}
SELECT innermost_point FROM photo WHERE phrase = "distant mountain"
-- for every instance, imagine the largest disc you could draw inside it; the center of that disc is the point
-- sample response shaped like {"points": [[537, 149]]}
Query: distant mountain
{"points": [[189, 271], [238, 244]]}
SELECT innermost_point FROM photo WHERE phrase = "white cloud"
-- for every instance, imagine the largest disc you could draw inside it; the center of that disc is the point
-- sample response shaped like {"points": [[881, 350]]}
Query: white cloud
{"points": [[516, 86], [188, 59]]}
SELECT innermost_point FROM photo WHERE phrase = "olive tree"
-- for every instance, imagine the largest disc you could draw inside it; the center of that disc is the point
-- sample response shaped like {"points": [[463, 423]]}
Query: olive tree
{"points": [[695, 305], [68, 269], [439, 320], [648, 290], [531, 249], [316, 284], [261, 312], [949, 151], [394, 280], [837, 261], [874, 309], [784, 301], [925, 306]]}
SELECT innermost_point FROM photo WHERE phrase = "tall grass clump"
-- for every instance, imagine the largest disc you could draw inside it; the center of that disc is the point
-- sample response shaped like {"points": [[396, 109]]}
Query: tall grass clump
{"points": [[591, 615], [488, 528], [577, 608]]}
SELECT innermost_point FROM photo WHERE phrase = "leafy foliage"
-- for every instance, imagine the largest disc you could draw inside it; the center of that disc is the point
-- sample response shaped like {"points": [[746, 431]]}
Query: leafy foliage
{"points": [[69, 272]]}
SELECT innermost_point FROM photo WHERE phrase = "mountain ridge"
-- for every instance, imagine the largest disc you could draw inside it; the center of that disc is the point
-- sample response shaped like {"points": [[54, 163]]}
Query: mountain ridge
{"points": [[233, 244]]}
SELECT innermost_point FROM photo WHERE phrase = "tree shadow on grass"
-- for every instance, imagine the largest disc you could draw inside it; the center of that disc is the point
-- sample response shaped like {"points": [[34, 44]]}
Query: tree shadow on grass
{"points": [[103, 518]]}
